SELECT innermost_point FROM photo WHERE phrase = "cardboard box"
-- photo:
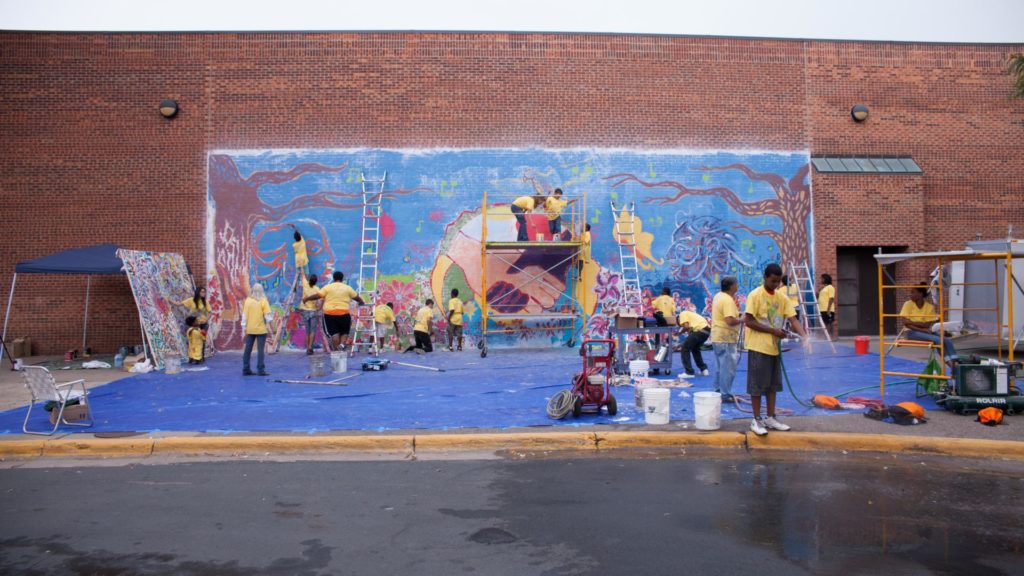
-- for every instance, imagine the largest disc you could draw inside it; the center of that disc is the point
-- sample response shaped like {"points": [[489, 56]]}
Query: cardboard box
{"points": [[75, 413], [16, 347], [671, 321], [628, 321]]}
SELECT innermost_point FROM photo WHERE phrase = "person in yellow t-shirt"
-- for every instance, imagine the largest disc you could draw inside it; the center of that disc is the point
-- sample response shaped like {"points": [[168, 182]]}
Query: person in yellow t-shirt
{"points": [[520, 206], [200, 308], [725, 335], [384, 318], [792, 292], [918, 315], [767, 310], [554, 205], [337, 297], [664, 307], [309, 311], [455, 320], [301, 257], [421, 329], [255, 312], [697, 332], [196, 341], [827, 304]]}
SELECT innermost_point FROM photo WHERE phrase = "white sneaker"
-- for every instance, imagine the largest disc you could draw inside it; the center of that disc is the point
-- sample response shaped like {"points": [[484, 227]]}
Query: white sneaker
{"points": [[757, 427], [684, 375], [774, 424], [704, 372]]}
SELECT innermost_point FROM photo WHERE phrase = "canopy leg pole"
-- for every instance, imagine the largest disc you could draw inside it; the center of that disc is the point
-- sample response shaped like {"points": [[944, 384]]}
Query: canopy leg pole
{"points": [[7, 316], [85, 319]]}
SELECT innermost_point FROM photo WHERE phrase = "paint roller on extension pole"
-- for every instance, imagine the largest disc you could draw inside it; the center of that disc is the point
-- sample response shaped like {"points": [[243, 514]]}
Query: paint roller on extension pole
{"points": [[335, 382], [417, 366]]}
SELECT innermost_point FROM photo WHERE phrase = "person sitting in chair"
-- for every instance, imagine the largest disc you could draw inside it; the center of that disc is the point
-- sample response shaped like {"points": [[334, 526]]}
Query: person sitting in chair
{"points": [[918, 315]]}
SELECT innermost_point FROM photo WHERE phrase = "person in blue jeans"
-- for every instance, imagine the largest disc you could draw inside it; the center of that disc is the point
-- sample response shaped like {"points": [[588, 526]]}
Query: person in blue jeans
{"points": [[255, 316], [725, 335], [918, 315]]}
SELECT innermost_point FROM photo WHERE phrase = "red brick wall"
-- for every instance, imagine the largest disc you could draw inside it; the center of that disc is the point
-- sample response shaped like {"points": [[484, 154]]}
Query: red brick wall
{"points": [[87, 158]]}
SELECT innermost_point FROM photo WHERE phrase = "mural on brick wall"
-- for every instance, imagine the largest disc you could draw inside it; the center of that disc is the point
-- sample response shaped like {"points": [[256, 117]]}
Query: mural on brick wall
{"points": [[699, 215]]}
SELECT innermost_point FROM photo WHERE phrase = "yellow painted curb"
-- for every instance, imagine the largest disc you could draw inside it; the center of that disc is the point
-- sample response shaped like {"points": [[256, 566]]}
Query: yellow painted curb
{"points": [[667, 439], [959, 447], [21, 448], [105, 447], [200, 445], [513, 441]]}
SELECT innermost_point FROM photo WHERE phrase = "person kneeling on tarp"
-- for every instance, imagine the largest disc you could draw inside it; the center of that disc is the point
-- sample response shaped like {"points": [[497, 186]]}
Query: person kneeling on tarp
{"points": [[421, 330]]}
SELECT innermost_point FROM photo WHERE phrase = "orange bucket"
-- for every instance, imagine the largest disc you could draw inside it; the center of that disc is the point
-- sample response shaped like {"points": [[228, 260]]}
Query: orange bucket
{"points": [[860, 344]]}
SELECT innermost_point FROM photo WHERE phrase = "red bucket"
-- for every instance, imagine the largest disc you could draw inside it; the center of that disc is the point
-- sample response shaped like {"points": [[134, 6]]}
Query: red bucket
{"points": [[860, 344]]}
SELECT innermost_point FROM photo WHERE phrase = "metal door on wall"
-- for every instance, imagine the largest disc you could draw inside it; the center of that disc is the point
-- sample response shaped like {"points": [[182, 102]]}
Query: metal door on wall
{"points": [[856, 281]]}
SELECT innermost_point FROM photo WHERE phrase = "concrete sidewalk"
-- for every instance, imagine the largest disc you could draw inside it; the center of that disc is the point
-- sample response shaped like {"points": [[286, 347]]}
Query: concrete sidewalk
{"points": [[945, 433]]}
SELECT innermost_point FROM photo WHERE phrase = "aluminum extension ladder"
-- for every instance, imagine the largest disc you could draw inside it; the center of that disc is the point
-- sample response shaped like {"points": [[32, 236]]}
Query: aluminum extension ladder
{"points": [[369, 256], [810, 311], [625, 236]]}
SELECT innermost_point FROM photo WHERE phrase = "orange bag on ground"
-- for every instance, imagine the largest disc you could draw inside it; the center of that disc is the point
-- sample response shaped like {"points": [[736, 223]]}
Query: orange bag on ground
{"points": [[990, 416], [915, 409], [826, 402]]}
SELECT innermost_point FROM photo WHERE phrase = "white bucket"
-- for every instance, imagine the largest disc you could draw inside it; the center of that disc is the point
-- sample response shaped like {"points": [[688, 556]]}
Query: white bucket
{"points": [[707, 410], [172, 365], [656, 405], [639, 369], [639, 386], [318, 366], [339, 362], [540, 236]]}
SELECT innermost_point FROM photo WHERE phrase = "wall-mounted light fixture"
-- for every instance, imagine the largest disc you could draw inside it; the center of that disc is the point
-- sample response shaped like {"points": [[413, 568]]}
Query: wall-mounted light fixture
{"points": [[859, 112], [168, 108]]}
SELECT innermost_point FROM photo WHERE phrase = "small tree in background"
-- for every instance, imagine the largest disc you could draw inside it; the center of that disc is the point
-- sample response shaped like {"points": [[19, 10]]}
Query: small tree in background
{"points": [[1017, 69]]}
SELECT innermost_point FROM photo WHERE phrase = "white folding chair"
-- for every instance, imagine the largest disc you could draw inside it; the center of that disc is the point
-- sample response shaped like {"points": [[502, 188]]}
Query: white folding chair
{"points": [[41, 385]]}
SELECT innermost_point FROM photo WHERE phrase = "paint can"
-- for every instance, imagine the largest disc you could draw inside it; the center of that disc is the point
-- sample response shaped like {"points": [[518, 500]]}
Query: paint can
{"points": [[172, 365], [318, 365], [639, 386], [861, 344], [339, 362], [656, 402], [707, 410], [639, 369]]}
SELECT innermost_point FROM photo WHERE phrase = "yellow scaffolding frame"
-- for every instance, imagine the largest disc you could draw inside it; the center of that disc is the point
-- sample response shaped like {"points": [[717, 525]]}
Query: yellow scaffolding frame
{"points": [[943, 258], [573, 220]]}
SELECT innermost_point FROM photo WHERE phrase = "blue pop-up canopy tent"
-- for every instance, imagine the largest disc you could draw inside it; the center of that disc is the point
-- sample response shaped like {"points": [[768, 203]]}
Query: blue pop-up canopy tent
{"points": [[89, 260]]}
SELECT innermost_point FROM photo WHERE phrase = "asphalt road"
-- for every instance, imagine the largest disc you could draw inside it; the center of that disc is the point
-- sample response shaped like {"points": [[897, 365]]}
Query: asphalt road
{"points": [[734, 515]]}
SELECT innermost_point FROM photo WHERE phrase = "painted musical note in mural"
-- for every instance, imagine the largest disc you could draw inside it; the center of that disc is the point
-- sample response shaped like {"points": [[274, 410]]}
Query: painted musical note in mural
{"points": [[596, 218], [655, 221], [419, 226], [706, 177], [448, 188], [650, 170]]}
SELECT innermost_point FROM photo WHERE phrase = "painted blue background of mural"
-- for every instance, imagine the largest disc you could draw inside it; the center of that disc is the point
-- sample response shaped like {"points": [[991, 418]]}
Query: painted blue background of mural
{"points": [[702, 215]]}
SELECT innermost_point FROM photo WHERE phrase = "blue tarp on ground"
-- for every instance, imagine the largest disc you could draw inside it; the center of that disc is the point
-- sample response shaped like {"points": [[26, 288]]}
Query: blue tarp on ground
{"points": [[99, 259], [506, 389]]}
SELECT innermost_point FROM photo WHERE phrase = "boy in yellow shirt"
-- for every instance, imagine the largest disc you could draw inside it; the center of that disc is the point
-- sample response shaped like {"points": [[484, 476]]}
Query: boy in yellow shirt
{"points": [[421, 329], [308, 310], [664, 307], [454, 320], [918, 315], [827, 302], [384, 318], [301, 258], [698, 331], [196, 341], [554, 205], [767, 310]]}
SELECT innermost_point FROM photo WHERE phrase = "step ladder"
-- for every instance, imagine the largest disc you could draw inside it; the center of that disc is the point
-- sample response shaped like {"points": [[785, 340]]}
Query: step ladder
{"points": [[365, 335], [810, 311], [625, 236], [281, 318]]}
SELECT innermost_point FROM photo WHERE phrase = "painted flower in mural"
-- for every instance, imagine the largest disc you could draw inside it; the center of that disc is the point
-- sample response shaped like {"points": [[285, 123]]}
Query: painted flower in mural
{"points": [[608, 289], [598, 326], [401, 294]]}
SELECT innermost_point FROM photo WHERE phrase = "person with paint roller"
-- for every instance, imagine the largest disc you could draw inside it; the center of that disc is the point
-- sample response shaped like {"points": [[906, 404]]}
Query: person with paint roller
{"points": [[454, 321], [421, 330], [520, 206], [384, 318], [301, 257], [767, 310]]}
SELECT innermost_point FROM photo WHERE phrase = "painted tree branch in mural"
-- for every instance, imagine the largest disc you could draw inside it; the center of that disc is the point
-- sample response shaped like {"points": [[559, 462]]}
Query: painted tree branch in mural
{"points": [[791, 205]]}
